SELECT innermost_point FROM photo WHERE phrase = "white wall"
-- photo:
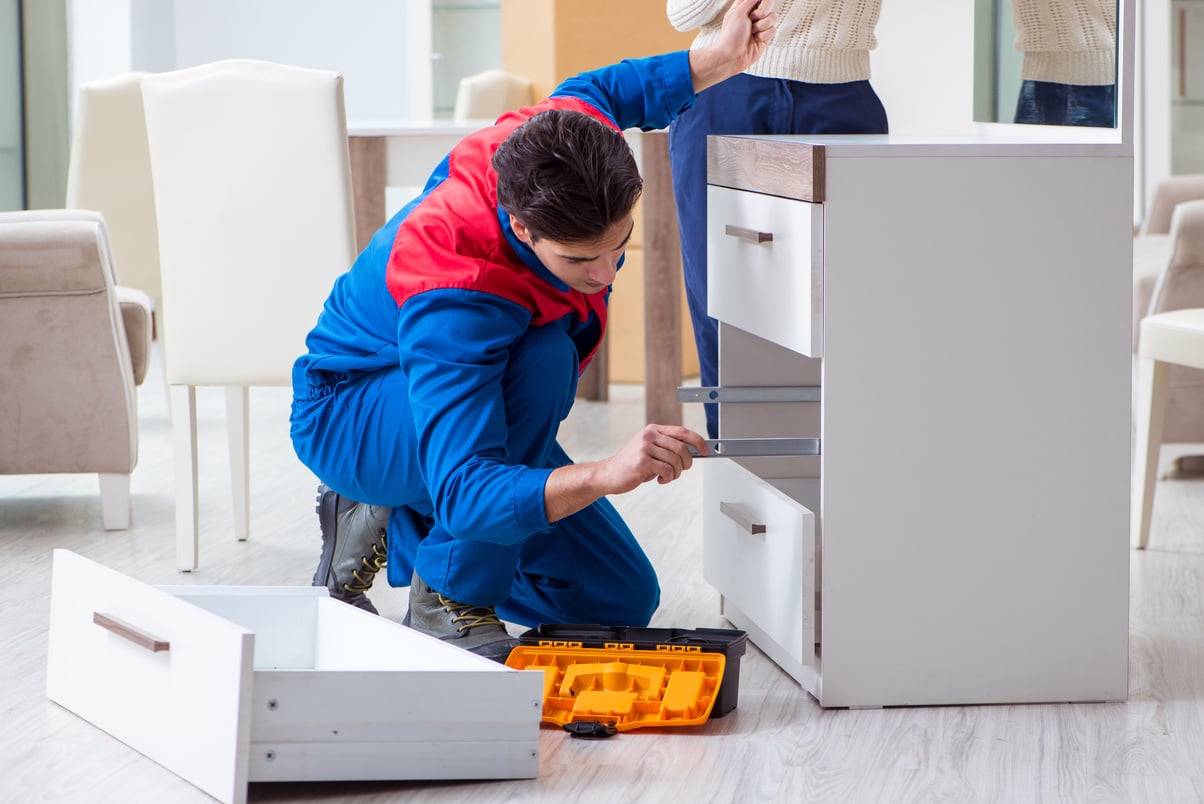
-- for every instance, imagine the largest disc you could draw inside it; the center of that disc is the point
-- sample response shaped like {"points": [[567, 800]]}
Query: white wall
{"points": [[99, 41], [382, 47]]}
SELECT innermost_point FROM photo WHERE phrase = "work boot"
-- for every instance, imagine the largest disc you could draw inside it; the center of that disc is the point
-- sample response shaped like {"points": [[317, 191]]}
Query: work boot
{"points": [[354, 547], [474, 628]]}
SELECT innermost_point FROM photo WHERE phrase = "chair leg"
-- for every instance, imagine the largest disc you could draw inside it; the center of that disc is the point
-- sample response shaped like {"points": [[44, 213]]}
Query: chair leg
{"points": [[238, 424], [183, 432], [1152, 377], [115, 501]]}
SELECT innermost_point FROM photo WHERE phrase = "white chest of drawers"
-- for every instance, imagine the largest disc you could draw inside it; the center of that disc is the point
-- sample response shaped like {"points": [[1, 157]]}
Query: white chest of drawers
{"points": [[965, 308], [229, 685]]}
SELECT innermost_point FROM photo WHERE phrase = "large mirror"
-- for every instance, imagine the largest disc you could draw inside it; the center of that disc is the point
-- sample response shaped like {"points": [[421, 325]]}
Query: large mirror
{"points": [[1045, 62]]}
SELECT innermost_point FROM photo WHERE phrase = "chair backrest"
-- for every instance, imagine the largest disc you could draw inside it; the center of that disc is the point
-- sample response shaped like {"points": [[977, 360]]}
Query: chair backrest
{"points": [[490, 94], [253, 194], [67, 397], [1181, 283], [1171, 191], [110, 172]]}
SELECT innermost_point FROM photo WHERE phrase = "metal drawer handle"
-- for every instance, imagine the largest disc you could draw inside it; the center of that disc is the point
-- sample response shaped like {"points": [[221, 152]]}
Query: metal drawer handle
{"points": [[751, 235], [736, 514], [131, 632]]}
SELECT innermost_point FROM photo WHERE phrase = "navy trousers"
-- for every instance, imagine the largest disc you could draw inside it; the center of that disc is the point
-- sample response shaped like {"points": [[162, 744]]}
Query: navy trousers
{"points": [[587, 568], [1066, 104], [747, 104]]}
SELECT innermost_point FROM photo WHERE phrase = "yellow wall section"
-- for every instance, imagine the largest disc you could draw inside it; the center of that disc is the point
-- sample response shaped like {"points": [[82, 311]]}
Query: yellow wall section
{"points": [[625, 329], [546, 41]]}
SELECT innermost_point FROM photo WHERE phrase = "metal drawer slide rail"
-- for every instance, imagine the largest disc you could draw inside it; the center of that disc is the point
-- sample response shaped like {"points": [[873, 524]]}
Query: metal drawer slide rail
{"points": [[799, 393]]}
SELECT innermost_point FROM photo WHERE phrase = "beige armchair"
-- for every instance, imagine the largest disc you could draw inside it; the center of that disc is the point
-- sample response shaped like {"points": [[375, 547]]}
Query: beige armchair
{"points": [[1169, 275], [1152, 247], [1171, 192], [73, 346]]}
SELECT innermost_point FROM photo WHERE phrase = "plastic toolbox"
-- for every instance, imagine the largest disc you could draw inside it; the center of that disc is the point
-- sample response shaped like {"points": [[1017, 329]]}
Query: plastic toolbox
{"points": [[727, 641], [623, 688]]}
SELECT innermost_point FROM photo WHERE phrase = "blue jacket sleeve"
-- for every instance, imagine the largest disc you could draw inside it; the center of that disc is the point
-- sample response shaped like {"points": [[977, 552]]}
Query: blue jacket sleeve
{"points": [[637, 93], [454, 347]]}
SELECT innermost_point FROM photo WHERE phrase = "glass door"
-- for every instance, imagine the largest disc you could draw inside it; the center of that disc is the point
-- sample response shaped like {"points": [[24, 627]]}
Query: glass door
{"points": [[1187, 86], [465, 41], [12, 116]]}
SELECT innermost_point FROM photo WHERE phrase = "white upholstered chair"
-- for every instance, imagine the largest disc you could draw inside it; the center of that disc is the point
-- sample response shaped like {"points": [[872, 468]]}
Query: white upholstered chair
{"points": [[110, 172], [1170, 339], [73, 346], [490, 94], [253, 197]]}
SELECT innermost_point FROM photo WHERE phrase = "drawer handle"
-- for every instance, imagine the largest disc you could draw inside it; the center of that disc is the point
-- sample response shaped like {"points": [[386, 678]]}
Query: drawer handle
{"points": [[131, 632], [751, 235], [736, 514]]}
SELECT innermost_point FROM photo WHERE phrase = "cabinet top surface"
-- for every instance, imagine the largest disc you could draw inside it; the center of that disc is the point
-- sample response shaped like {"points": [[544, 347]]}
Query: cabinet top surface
{"points": [[990, 141]]}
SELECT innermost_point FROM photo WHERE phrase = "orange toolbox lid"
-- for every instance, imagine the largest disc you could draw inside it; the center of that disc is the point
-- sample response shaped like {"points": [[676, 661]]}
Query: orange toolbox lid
{"points": [[625, 688]]}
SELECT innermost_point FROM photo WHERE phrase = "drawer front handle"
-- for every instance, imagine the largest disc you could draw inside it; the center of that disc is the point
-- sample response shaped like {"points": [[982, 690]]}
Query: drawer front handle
{"points": [[131, 632], [736, 514], [751, 235]]}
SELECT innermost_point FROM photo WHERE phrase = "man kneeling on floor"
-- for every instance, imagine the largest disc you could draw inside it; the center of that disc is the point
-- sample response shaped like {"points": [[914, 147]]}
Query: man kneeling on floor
{"points": [[443, 362]]}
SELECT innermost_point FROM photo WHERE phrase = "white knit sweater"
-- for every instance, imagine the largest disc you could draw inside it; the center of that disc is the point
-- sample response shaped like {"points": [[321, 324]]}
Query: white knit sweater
{"points": [[1067, 41], [817, 41]]}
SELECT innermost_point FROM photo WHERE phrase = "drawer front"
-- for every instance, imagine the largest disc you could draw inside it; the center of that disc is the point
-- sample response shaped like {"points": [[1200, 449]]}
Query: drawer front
{"points": [[175, 686], [759, 552], [765, 267]]}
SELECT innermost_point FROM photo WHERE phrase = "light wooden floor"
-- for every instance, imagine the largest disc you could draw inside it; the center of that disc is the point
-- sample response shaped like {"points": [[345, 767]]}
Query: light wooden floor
{"points": [[777, 746]]}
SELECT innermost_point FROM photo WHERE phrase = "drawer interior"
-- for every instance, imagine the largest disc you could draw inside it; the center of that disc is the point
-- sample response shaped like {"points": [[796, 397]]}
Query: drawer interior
{"points": [[301, 628]]}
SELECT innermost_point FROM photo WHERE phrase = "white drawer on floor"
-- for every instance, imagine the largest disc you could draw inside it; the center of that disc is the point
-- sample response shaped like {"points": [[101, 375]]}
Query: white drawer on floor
{"points": [[765, 267], [226, 685], [759, 552]]}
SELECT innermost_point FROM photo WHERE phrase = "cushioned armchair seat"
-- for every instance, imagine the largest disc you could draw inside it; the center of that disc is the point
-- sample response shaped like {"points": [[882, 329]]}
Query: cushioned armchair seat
{"points": [[72, 349]]}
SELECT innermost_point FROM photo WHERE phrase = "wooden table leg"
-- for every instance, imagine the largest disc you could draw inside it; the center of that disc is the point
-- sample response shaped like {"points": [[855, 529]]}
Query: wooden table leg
{"points": [[369, 172], [595, 383], [662, 285]]}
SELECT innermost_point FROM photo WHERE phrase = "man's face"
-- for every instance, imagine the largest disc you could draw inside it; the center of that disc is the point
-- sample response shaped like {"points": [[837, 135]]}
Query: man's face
{"points": [[588, 266]]}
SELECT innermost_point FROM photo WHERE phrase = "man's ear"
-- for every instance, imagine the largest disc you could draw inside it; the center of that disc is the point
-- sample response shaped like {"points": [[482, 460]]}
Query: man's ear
{"points": [[520, 230]]}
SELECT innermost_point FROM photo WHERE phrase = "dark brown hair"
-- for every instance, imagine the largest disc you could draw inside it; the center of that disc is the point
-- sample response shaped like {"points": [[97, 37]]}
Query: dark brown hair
{"points": [[566, 176]]}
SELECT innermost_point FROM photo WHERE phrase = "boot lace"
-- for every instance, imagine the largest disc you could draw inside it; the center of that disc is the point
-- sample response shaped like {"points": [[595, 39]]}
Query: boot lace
{"points": [[371, 565], [468, 616]]}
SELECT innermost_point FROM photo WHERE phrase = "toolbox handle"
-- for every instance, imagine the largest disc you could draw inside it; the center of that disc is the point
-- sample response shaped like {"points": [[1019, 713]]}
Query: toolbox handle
{"points": [[133, 633], [736, 514]]}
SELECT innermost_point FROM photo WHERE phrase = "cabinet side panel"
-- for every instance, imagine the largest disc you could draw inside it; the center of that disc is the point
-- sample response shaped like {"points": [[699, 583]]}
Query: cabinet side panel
{"points": [[976, 429]]}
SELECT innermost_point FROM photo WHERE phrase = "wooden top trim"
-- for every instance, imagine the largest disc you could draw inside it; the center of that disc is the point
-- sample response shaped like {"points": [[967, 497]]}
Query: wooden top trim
{"points": [[787, 169]]}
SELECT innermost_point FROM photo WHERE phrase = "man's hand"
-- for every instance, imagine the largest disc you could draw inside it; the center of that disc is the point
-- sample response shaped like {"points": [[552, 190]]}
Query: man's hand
{"points": [[748, 26], [659, 451]]}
